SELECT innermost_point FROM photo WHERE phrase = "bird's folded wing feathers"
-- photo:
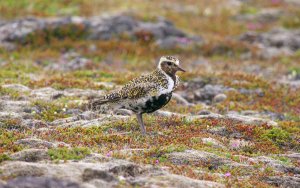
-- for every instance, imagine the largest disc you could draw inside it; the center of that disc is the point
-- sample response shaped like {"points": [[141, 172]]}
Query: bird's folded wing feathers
{"points": [[140, 90]]}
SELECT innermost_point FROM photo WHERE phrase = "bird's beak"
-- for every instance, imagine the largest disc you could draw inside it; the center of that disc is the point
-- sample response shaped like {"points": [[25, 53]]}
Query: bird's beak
{"points": [[180, 69]]}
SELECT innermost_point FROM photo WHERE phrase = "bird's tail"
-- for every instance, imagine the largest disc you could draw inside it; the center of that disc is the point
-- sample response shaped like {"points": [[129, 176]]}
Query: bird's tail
{"points": [[102, 104], [97, 104]]}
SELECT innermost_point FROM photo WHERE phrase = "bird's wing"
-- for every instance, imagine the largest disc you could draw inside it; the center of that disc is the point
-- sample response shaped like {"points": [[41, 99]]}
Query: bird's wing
{"points": [[136, 88], [139, 90]]}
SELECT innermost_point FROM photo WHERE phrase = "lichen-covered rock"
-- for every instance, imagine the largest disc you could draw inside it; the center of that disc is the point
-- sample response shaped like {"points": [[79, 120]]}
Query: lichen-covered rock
{"points": [[105, 173], [16, 87], [31, 155], [21, 169], [39, 182], [213, 142], [13, 106], [276, 164], [84, 121], [98, 28], [197, 157], [37, 143], [283, 181], [89, 174], [275, 42], [172, 180]]}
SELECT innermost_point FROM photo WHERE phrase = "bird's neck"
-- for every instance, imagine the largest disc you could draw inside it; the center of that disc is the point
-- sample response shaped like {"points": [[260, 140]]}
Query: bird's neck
{"points": [[173, 76]]}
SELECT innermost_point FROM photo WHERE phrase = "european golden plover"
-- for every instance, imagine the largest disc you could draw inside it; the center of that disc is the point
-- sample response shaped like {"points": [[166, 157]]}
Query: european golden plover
{"points": [[146, 93]]}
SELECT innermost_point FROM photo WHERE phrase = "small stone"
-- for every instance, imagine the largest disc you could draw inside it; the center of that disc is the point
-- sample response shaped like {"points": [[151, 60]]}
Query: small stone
{"points": [[204, 112], [219, 98]]}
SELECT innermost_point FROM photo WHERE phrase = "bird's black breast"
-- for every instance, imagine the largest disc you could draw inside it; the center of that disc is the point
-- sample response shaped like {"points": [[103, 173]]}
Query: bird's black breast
{"points": [[155, 103]]}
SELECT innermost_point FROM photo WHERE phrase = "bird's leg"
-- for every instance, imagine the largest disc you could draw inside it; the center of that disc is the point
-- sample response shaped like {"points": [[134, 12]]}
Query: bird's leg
{"points": [[142, 126]]}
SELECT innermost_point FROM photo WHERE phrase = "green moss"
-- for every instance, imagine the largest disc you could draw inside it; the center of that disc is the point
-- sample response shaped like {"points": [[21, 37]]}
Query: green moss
{"points": [[10, 92], [246, 9], [4, 157], [76, 153], [8, 138], [49, 111], [291, 22], [277, 135], [11, 124]]}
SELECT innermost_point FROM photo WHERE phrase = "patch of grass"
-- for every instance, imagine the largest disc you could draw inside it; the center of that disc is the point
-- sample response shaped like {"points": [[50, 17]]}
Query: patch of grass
{"points": [[4, 157], [75, 153], [49, 111], [63, 82], [10, 92], [291, 21], [277, 135], [246, 9], [16, 8], [7, 139], [11, 124]]}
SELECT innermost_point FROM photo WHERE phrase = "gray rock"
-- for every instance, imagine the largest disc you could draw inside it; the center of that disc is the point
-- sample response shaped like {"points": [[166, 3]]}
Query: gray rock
{"points": [[102, 173], [166, 113], [17, 87], [204, 112], [197, 157], [172, 180], [32, 123], [235, 118], [283, 181], [295, 156], [18, 168], [110, 27], [39, 144], [94, 28], [208, 92], [174, 42], [250, 120], [220, 98], [275, 42], [45, 94], [10, 115], [13, 106], [213, 142], [30, 155], [34, 143], [40, 182], [70, 61], [276, 164], [86, 121], [236, 144], [181, 100], [89, 174], [293, 2]]}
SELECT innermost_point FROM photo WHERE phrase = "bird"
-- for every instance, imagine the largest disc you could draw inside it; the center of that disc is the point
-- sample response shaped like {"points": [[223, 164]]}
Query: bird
{"points": [[147, 93]]}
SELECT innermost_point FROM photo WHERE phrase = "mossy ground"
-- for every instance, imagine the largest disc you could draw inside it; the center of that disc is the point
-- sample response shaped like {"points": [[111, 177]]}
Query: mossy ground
{"points": [[128, 59]]}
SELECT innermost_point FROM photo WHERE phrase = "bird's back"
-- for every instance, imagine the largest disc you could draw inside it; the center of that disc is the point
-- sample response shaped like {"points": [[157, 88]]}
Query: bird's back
{"points": [[137, 92]]}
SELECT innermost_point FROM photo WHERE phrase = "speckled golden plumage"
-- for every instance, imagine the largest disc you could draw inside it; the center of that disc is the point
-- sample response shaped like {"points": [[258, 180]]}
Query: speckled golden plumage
{"points": [[146, 93]]}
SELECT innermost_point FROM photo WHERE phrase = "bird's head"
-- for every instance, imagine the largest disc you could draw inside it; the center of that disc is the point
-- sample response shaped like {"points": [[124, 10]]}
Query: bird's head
{"points": [[169, 65]]}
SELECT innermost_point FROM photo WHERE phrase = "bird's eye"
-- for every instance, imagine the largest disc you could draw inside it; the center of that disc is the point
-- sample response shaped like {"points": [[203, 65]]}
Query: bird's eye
{"points": [[169, 63]]}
